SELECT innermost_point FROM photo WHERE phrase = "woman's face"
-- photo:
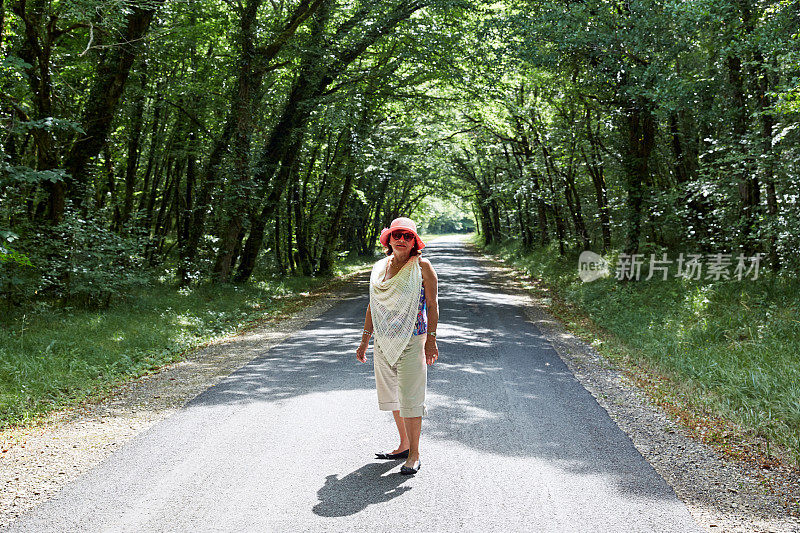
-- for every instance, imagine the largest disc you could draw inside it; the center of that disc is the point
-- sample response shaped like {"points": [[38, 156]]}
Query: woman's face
{"points": [[401, 240]]}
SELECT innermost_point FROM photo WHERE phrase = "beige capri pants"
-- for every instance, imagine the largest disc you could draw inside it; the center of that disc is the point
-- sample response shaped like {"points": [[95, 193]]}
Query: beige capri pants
{"points": [[402, 385]]}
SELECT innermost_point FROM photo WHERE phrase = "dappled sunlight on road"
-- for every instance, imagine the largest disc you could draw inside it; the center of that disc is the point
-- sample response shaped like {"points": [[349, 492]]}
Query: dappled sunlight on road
{"points": [[499, 387]]}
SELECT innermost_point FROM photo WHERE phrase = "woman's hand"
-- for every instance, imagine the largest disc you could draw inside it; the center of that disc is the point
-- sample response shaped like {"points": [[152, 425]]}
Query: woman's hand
{"points": [[361, 352], [431, 350]]}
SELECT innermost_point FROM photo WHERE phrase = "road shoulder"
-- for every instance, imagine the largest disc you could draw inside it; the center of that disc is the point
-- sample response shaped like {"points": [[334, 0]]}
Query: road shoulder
{"points": [[722, 495]]}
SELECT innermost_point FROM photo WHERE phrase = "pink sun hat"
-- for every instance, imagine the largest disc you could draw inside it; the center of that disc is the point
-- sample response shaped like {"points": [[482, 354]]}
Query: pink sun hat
{"points": [[404, 224]]}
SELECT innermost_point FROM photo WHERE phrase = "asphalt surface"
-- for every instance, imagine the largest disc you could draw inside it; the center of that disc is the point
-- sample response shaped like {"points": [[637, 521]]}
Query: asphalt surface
{"points": [[512, 441]]}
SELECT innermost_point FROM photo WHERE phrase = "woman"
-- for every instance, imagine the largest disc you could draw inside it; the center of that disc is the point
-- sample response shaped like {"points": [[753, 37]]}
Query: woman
{"points": [[403, 313]]}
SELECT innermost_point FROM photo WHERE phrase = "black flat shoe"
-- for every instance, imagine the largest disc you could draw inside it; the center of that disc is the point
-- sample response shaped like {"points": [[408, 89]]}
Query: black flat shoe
{"points": [[401, 455], [408, 471]]}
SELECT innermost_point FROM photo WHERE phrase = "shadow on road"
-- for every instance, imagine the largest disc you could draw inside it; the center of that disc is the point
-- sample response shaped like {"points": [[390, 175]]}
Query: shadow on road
{"points": [[501, 388], [357, 490]]}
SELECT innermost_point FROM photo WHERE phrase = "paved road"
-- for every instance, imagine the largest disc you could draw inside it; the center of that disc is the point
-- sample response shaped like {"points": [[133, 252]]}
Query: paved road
{"points": [[512, 441]]}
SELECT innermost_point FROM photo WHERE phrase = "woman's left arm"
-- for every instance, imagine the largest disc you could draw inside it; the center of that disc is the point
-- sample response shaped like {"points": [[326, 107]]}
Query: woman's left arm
{"points": [[431, 283]]}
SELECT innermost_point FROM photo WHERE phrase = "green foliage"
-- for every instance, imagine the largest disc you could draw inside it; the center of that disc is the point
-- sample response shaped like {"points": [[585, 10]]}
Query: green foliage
{"points": [[439, 217], [8, 254], [46, 124], [79, 262], [676, 115], [11, 261], [11, 64], [17, 175]]}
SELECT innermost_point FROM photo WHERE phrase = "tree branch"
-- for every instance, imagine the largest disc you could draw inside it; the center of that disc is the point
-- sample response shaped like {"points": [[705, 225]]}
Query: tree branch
{"points": [[188, 114]]}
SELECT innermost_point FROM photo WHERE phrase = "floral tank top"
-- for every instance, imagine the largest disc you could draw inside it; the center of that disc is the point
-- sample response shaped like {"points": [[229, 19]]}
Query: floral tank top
{"points": [[422, 316]]}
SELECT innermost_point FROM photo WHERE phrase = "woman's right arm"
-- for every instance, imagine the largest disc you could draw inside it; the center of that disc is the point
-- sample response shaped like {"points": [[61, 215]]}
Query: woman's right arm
{"points": [[361, 352]]}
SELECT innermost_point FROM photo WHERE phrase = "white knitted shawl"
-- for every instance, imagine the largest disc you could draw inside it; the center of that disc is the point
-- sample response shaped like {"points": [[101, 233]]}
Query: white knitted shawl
{"points": [[394, 304]]}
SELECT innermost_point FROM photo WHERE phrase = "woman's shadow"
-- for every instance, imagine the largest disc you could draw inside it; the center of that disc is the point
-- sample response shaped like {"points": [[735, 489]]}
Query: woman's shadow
{"points": [[358, 489]]}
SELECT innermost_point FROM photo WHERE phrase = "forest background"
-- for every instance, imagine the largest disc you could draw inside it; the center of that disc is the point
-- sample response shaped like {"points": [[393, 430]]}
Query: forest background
{"points": [[170, 170]]}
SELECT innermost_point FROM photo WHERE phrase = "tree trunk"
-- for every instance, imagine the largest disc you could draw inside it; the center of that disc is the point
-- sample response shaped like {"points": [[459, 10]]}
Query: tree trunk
{"points": [[638, 144], [104, 95], [494, 211], [596, 169], [375, 227], [767, 159], [556, 210], [678, 153], [165, 161], [326, 259], [530, 235], [541, 211], [520, 212], [237, 251], [278, 255], [550, 171], [134, 140], [747, 182], [236, 199], [490, 233], [36, 50], [744, 172], [315, 75], [227, 245], [253, 64], [534, 188], [289, 234], [185, 215], [2, 23], [576, 209], [303, 257], [256, 237], [597, 173], [155, 141], [158, 229]]}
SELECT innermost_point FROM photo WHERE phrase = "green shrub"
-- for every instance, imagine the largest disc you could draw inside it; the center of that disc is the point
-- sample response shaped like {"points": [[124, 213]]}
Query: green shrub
{"points": [[79, 262]]}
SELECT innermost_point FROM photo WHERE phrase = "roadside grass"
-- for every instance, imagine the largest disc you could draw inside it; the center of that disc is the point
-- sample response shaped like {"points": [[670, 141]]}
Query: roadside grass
{"points": [[52, 357], [731, 347]]}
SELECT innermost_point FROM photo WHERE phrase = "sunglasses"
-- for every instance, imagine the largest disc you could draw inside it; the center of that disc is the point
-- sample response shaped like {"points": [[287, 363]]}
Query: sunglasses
{"points": [[397, 235]]}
